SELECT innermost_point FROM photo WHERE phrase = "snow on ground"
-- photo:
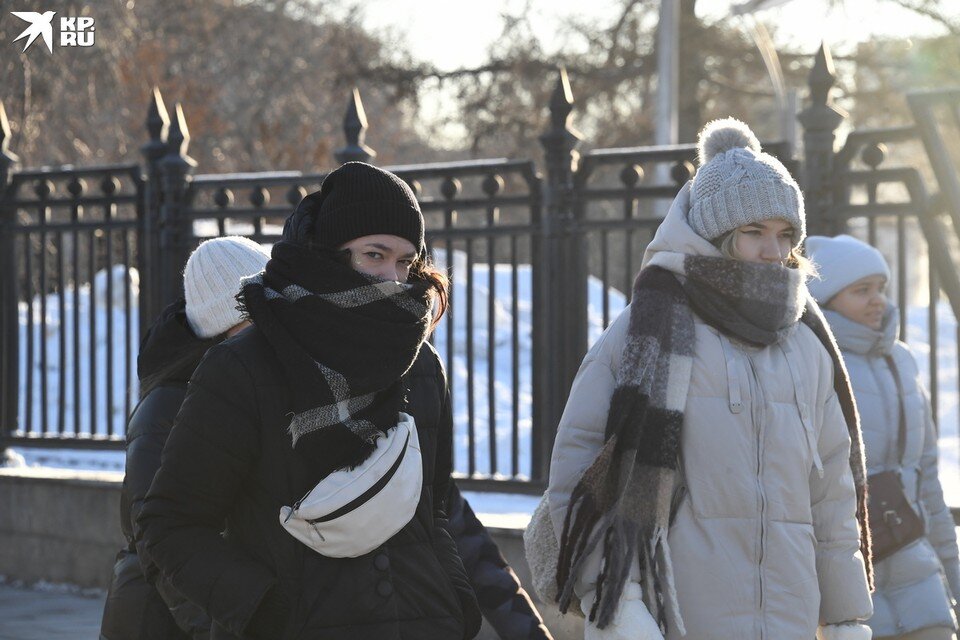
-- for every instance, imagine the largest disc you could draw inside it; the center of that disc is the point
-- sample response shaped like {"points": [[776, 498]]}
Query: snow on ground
{"points": [[52, 588], [88, 346], [485, 363], [948, 401], [70, 458], [504, 510]]}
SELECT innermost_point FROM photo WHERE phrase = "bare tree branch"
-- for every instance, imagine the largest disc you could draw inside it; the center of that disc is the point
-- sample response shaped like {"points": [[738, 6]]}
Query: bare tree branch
{"points": [[927, 9]]}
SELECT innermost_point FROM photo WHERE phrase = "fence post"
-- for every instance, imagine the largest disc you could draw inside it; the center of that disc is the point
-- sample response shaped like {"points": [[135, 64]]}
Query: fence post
{"points": [[176, 229], [560, 332], [158, 124], [820, 121], [355, 131], [9, 315]]}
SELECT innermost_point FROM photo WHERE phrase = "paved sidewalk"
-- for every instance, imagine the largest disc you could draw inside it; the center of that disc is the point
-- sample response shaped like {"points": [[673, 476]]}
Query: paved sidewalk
{"points": [[55, 614], [28, 614], [31, 614]]}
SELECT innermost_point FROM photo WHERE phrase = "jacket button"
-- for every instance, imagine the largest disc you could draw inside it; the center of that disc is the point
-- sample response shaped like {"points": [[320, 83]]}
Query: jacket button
{"points": [[381, 562], [384, 588]]}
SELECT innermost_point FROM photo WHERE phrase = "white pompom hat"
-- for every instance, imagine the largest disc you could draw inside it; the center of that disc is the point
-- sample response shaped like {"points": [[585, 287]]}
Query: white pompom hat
{"points": [[211, 281], [738, 184]]}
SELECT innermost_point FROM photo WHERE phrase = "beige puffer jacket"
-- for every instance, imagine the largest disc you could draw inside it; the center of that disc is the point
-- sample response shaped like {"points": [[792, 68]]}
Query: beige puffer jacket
{"points": [[765, 543]]}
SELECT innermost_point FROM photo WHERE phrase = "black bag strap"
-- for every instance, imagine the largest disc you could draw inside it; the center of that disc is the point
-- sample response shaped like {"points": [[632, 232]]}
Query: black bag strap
{"points": [[902, 427]]}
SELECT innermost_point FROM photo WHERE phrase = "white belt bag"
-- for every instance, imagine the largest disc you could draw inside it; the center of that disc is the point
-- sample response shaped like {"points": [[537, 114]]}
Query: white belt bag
{"points": [[352, 512]]}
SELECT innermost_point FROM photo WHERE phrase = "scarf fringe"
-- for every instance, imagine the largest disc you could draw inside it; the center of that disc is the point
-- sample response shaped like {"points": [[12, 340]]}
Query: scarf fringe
{"points": [[573, 543], [648, 578], [671, 592], [618, 554], [623, 545]]}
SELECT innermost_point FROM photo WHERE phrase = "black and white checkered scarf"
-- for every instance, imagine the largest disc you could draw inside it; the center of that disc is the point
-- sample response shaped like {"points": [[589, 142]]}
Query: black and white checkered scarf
{"points": [[345, 340], [624, 500]]}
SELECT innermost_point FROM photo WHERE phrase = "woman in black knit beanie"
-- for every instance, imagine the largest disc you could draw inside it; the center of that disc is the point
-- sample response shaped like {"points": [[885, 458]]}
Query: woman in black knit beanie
{"points": [[337, 352]]}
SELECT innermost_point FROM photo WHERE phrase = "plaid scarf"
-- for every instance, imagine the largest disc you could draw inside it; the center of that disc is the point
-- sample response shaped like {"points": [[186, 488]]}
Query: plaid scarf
{"points": [[626, 496], [344, 340]]}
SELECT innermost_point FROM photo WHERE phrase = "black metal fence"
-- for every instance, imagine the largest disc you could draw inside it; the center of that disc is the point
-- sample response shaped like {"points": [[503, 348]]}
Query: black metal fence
{"points": [[540, 263], [911, 212], [70, 316]]}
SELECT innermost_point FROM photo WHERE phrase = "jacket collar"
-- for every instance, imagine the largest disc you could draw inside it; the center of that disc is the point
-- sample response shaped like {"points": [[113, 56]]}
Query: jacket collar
{"points": [[861, 339]]}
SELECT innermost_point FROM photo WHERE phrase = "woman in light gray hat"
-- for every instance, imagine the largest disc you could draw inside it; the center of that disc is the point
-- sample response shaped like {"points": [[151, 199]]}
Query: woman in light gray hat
{"points": [[914, 540], [703, 484]]}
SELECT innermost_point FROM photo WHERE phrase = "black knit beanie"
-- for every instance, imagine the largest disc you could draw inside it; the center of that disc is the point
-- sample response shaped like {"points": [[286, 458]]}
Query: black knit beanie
{"points": [[356, 200]]}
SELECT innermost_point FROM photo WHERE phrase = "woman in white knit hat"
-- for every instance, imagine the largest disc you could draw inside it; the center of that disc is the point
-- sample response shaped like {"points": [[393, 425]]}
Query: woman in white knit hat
{"points": [[170, 351], [914, 540], [702, 484]]}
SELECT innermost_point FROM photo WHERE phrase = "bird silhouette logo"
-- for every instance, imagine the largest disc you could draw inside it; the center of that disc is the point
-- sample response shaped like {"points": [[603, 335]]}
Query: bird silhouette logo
{"points": [[41, 24]]}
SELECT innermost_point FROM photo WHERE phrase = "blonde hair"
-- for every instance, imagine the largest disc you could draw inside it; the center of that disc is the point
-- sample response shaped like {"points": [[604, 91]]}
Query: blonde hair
{"points": [[795, 259]]}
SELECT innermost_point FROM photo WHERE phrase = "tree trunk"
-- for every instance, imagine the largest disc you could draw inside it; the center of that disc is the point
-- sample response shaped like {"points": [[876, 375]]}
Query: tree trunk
{"points": [[691, 73]]}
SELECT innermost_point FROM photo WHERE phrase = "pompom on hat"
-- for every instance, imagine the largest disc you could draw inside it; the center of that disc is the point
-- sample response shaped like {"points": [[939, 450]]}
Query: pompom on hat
{"points": [[738, 184]]}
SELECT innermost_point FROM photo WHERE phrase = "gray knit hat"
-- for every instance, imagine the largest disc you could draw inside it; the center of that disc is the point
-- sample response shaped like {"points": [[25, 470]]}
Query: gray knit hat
{"points": [[211, 281], [738, 184]]}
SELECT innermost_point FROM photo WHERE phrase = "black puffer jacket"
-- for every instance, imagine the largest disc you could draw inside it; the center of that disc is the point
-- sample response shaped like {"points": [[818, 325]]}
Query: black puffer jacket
{"points": [[229, 459], [135, 609], [504, 603]]}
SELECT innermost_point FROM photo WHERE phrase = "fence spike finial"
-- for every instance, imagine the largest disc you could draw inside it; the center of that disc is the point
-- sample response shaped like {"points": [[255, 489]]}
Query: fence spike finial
{"points": [[823, 75], [178, 140], [178, 137], [4, 128], [158, 121], [355, 132], [561, 102], [7, 158], [158, 125], [560, 140]]}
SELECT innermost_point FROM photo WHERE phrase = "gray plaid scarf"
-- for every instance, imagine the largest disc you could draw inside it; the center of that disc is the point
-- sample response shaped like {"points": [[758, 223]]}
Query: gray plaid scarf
{"points": [[625, 497], [345, 341]]}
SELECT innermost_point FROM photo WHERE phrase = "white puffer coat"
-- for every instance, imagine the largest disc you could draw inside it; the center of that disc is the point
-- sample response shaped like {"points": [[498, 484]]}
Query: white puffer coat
{"points": [[765, 543], [913, 586]]}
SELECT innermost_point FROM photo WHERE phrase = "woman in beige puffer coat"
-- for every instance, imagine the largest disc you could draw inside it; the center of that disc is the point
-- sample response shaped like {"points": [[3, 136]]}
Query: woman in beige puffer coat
{"points": [[763, 539]]}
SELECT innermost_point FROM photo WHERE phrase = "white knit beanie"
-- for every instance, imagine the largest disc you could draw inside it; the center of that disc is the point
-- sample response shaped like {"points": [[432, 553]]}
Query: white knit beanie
{"points": [[841, 261], [738, 184], [211, 281]]}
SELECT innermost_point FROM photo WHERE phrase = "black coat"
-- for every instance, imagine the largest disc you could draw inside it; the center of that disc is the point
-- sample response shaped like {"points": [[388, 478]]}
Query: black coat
{"points": [[229, 459], [136, 609], [504, 603]]}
